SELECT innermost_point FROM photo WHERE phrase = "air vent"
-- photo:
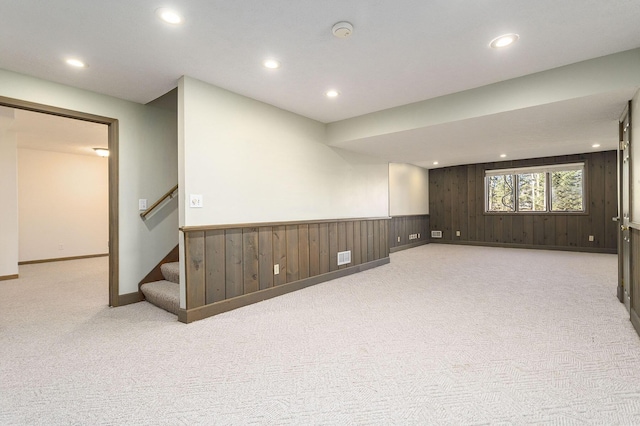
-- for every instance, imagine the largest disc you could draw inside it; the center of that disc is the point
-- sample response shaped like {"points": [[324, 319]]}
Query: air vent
{"points": [[436, 234], [344, 257]]}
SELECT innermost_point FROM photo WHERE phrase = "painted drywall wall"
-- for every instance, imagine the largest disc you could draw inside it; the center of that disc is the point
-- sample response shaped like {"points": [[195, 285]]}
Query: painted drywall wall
{"points": [[408, 190], [146, 134], [59, 214], [635, 158], [253, 162], [9, 203]]}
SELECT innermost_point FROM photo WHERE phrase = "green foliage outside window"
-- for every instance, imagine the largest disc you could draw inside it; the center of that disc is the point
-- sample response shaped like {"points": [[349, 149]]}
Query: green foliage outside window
{"points": [[529, 191], [566, 191]]}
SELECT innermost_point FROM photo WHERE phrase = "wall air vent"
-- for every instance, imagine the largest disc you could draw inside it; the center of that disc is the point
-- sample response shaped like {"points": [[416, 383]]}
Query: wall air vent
{"points": [[344, 257], [436, 234]]}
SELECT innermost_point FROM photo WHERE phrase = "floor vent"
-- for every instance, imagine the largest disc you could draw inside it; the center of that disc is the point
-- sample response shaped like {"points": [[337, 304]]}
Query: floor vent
{"points": [[436, 234], [344, 257]]}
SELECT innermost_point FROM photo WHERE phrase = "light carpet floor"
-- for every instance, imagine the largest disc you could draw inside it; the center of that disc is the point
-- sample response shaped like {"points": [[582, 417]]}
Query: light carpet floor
{"points": [[444, 334]]}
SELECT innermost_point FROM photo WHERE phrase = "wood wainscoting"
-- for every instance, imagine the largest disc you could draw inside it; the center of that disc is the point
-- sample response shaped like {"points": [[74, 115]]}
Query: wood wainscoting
{"points": [[456, 203], [402, 228], [233, 265]]}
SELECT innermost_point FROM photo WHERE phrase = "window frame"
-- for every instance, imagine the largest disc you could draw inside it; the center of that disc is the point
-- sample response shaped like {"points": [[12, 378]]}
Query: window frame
{"points": [[548, 170]]}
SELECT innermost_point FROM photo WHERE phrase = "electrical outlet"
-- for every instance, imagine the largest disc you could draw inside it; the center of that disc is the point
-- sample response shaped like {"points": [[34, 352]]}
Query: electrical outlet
{"points": [[398, 239], [276, 269], [418, 235], [195, 201], [142, 204], [60, 247], [591, 238], [457, 233]]}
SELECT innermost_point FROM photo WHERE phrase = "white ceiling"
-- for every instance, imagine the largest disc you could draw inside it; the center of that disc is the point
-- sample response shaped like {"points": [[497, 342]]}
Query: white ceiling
{"points": [[401, 51], [46, 132]]}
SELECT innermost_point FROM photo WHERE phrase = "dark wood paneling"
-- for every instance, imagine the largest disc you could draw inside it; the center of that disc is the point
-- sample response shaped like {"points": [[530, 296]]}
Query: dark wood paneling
{"points": [[333, 246], [250, 260], [314, 250], [456, 202], [215, 266], [280, 253], [324, 247], [403, 226], [195, 269], [292, 253], [303, 251], [265, 257], [342, 240], [238, 263], [357, 243], [233, 263]]}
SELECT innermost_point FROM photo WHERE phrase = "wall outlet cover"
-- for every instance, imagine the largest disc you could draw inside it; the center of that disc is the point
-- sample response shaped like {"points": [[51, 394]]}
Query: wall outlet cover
{"points": [[195, 201]]}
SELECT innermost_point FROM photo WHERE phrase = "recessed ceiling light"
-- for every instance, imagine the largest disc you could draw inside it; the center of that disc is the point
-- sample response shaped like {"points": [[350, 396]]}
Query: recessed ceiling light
{"points": [[504, 40], [595, 145], [332, 93], [271, 64], [169, 16], [435, 163], [76, 63], [102, 152], [503, 155]]}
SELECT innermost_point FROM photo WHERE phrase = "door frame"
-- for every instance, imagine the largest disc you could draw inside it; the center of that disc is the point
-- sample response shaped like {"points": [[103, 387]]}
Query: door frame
{"points": [[624, 206], [112, 124]]}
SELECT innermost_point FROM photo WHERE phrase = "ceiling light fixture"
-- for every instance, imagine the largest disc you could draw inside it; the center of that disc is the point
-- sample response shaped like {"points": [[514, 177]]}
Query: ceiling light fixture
{"points": [[169, 16], [504, 40], [435, 163], [595, 145], [332, 93], [271, 64], [102, 152], [503, 155], [77, 63]]}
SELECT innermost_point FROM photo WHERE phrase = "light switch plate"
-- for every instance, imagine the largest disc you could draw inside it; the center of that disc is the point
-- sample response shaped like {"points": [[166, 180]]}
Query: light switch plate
{"points": [[142, 204], [195, 200]]}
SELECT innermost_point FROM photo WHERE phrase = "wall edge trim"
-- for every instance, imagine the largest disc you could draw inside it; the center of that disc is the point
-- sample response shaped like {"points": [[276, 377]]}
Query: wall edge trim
{"points": [[530, 246], [8, 277], [271, 224], [407, 246]]}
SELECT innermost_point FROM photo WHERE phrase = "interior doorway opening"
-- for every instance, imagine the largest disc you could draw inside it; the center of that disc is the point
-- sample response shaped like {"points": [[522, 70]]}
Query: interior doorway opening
{"points": [[112, 146]]}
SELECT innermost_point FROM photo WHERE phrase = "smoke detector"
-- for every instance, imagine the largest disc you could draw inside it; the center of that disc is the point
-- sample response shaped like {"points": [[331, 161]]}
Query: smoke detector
{"points": [[342, 29]]}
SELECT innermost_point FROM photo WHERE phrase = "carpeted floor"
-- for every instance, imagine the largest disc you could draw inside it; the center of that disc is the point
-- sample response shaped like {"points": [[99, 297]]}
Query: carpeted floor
{"points": [[442, 335]]}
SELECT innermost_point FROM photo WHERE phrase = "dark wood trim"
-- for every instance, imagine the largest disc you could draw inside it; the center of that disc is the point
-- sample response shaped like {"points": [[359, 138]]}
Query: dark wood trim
{"points": [[129, 298], [212, 309], [62, 259], [156, 273], [635, 320], [528, 246], [263, 224], [8, 277], [113, 135], [407, 246]]}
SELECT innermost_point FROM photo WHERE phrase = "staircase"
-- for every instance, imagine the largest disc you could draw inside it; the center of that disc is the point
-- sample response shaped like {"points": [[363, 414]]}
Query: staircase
{"points": [[165, 294]]}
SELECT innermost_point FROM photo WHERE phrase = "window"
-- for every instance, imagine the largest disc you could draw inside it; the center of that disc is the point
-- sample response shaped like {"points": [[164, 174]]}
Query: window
{"points": [[557, 189]]}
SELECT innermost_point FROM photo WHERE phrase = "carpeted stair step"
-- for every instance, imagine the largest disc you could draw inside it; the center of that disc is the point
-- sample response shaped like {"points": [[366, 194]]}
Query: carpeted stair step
{"points": [[171, 271], [163, 294]]}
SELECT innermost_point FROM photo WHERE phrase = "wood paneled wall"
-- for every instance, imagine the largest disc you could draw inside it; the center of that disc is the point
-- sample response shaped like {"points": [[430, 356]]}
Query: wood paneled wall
{"points": [[235, 262], [401, 227], [456, 203], [634, 234]]}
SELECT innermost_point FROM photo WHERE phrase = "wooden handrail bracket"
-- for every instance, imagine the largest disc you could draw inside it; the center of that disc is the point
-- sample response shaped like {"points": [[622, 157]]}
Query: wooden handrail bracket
{"points": [[155, 205]]}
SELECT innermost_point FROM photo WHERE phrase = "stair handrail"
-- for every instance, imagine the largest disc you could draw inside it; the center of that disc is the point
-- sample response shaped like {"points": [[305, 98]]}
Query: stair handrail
{"points": [[169, 194]]}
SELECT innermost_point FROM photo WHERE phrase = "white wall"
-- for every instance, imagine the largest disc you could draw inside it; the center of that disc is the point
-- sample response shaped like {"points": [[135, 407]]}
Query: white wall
{"points": [[253, 162], [63, 205], [408, 190], [146, 134], [8, 201]]}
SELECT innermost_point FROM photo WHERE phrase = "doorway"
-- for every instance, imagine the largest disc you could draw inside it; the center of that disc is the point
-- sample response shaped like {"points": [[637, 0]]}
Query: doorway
{"points": [[624, 239], [112, 125]]}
